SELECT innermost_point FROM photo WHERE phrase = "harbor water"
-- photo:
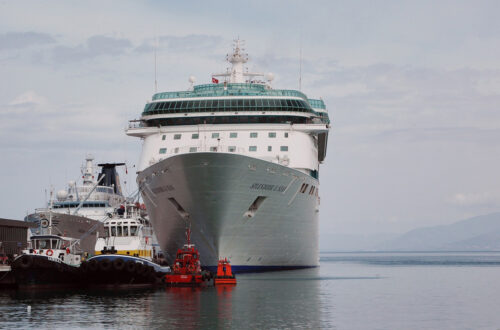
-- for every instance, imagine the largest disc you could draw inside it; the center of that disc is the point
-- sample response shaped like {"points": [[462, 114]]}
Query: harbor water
{"points": [[348, 291]]}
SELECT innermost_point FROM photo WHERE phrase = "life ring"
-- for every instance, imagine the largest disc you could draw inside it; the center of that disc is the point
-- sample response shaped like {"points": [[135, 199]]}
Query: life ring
{"points": [[49, 253]]}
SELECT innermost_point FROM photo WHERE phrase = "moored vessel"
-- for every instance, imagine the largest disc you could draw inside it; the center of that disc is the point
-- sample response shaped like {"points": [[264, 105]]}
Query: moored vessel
{"points": [[49, 261], [125, 254], [80, 210], [240, 161]]}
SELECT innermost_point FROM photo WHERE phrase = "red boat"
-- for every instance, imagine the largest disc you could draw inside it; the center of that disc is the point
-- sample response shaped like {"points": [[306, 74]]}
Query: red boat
{"points": [[186, 269], [224, 273]]}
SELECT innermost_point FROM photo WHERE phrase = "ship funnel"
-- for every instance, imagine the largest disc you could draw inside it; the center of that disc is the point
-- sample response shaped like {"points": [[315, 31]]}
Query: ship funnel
{"points": [[111, 178]]}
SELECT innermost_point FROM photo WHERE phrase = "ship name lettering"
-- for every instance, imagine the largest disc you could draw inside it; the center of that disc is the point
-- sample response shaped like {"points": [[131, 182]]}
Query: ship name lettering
{"points": [[158, 190], [269, 187]]}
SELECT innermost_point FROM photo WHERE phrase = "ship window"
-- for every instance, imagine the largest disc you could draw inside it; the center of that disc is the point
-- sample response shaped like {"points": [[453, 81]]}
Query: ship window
{"points": [[176, 150], [253, 135], [252, 103], [113, 231], [119, 231], [195, 136], [213, 148], [227, 103], [163, 137], [240, 103], [286, 134], [272, 134], [125, 230], [304, 187], [133, 230], [269, 148], [215, 135], [284, 148], [233, 135], [54, 244], [177, 136], [163, 150], [252, 148], [234, 103], [231, 149], [193, 149]]}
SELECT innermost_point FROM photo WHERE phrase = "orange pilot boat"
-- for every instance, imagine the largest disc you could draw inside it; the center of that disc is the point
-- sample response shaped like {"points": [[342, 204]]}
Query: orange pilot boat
{"points": [[224, 273], [186, 270]]}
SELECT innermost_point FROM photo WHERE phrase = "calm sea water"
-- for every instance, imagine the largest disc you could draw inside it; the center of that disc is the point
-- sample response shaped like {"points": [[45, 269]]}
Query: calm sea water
{"points": [[348, 291]]}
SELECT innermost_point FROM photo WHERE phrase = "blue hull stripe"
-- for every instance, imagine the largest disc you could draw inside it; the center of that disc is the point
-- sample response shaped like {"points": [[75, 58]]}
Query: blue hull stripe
{"points": [[256, 269]]}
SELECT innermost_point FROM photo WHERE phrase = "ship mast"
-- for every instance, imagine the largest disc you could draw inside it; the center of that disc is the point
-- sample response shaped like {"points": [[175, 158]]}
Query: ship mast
{"points": [[237, 74]]}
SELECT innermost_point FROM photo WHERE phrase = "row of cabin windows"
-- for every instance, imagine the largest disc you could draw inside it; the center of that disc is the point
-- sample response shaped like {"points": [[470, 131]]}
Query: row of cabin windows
{"points": [[121, 231], [230, 149], [85, 205], [232, 135], [228, 105]]}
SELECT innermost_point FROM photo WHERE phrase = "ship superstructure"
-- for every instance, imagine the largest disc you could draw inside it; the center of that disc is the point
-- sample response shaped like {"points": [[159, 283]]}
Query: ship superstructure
{"points": [[239, 161]]}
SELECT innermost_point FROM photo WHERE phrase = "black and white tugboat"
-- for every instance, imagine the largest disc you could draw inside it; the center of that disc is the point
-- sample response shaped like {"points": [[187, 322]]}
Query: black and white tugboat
{"points": [[49, 261], [125, 255]]}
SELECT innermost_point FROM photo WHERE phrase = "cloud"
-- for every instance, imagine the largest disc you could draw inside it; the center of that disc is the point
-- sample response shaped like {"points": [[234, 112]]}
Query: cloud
{"points": [[475, 199], [180, 44], [94, 46], [28, 98], [20, 40]]}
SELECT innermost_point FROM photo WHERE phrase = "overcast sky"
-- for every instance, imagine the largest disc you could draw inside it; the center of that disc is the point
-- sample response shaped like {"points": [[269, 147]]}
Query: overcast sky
{"points": [[412, 88]]}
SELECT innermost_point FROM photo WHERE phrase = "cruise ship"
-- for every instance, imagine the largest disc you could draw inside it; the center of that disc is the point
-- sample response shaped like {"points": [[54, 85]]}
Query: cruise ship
{"points": [[238, 162]]}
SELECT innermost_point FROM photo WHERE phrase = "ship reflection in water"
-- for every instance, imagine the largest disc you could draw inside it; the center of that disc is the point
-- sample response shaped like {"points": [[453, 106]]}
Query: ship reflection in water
{"points": [[266, 300]]}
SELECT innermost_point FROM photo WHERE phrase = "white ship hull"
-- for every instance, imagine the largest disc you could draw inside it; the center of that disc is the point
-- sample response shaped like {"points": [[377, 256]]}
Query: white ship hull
{"points": [[214, 191]]}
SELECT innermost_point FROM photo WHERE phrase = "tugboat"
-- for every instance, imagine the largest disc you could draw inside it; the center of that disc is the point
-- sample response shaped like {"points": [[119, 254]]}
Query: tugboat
{"points": [[187, 268], [125, 255], [224, 273], [50, 260]]}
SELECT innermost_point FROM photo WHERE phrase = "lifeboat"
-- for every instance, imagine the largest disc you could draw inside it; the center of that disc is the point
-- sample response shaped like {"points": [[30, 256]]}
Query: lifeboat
{"points": [[224, 273], [186, 270]]}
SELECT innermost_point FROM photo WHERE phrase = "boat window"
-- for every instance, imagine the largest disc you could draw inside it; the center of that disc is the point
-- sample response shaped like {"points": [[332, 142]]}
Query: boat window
{"points": [[231, 148], [215, 135], [252, 148], [193, 149], [163, 150], [44, 244], [119, 231], [125, 230], [233, 135], [113, 231], [177, 136], [133, 230], [269, 148], [253, 135], [284, 148], [272, 134], [54, 244], [286, 134], [195, 136], [163, 137]]}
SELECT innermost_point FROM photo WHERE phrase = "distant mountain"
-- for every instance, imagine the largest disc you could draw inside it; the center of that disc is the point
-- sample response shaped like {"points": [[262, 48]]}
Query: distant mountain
{"points": [[481, 233]]}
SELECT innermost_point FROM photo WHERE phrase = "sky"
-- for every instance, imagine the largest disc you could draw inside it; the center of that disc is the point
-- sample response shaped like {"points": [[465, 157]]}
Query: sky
{"points": [[412, 89]]}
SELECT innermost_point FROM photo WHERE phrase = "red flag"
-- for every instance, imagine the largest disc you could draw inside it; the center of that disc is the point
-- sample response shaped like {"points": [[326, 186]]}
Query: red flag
{"points": [[215, 81]]}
